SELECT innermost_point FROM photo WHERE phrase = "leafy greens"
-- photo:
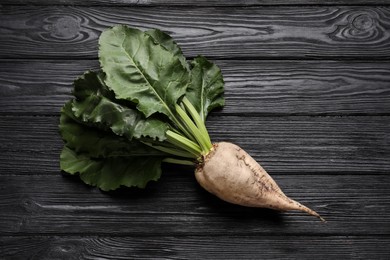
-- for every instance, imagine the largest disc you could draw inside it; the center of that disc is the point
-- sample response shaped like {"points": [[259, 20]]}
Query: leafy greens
{"points": [[147, 105]]}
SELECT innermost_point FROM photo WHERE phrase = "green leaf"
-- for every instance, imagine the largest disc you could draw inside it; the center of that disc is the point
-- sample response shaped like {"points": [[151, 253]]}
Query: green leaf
{"points": [[91, 82], [206, 89], [169, 44], [113, 172], [98, 143], [142, 71], [96, 104], [125, 120]]}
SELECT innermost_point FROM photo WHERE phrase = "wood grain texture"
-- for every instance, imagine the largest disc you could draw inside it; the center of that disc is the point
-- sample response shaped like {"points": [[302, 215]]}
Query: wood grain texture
{"points": [[177, 205], [252, 87], [308, 95], [283, 145], [188, 3], [195, 247], [256, 32]]}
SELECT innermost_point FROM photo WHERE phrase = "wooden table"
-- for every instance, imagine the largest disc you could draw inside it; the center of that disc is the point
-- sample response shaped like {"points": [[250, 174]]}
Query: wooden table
{"points": [[307, 94]]}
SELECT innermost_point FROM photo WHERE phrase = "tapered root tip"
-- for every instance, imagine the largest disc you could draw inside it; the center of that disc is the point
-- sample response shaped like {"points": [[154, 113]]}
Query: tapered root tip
{"points": [[311, 212], [315, 214], [299, 206], [322, 219]]}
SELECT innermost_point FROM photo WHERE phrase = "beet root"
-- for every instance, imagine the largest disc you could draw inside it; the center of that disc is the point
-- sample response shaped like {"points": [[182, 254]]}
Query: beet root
{"points": [[234, 176]]}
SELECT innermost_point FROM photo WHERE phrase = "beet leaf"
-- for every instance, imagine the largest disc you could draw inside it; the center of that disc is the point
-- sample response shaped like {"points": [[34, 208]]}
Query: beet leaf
{"points": [[147, 105]]}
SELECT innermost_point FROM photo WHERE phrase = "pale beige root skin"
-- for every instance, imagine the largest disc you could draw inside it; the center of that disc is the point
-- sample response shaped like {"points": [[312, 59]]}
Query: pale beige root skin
{"points": [[234, 176]]}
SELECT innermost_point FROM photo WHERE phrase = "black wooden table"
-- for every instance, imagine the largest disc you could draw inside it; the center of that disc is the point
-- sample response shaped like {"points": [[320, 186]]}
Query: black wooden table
{"points": [[307, 94]]}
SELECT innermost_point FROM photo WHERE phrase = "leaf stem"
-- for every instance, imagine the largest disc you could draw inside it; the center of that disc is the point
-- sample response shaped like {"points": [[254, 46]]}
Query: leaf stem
{"points": [[202, 140], [173, 151], [197, 119], [184, 143], [180, 126], [178, 161]]}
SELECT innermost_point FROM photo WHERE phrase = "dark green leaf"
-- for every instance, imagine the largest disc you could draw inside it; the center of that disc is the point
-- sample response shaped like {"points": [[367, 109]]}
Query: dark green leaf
{"points": [[113, 172], [128, 104], [169, 44], [97, 143], [142, 71], [91, 82], [206, 89], [97, 105]]}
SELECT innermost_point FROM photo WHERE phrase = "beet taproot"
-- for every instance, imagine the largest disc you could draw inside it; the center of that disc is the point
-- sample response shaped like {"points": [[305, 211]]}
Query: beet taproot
{"points": [[234, 176]]}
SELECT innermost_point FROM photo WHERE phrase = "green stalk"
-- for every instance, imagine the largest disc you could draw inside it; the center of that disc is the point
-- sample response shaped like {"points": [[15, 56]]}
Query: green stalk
{"points": [[197, 119], [178, 161], [181, 127], [172, 151], [183, 143], [202, 140]]}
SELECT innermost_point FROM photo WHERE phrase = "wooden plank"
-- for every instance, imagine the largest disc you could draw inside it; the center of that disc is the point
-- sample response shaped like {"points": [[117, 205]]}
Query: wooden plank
{"points": [[283, 145], [176, 205], [252, 87], [192, 3], [196, 247], [257, 32]]}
